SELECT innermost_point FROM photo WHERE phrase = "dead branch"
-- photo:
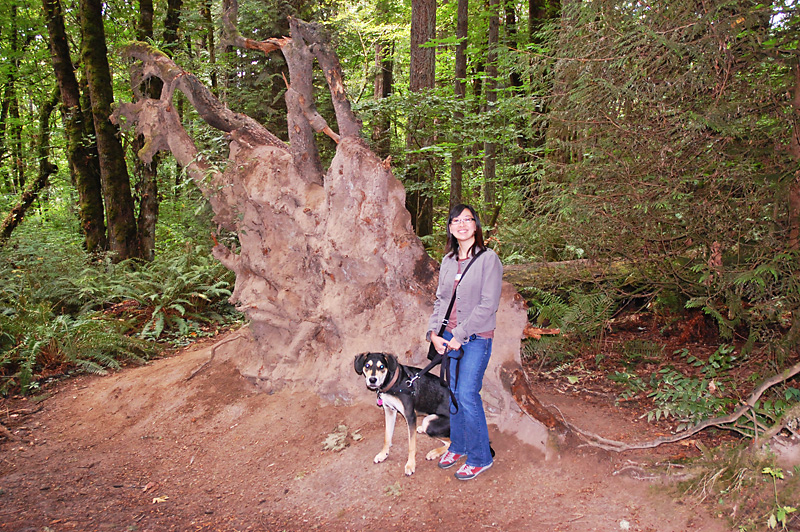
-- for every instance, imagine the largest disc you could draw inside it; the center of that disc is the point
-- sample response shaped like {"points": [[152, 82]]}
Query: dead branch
{"points": [[596, 440], [537, 332]]}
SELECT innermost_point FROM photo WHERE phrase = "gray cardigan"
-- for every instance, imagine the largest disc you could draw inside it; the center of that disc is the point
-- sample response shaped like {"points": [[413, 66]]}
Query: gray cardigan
{"points": [[477, 297]]}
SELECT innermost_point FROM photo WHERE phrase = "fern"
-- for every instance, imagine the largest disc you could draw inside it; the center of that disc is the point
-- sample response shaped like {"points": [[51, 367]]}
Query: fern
{"points": [[545, 307], [589, 313], [42, 341]]}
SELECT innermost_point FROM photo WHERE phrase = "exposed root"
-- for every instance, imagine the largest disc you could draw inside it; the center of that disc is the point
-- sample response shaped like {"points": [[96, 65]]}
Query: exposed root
{"points": [[213, 354], [521, 391]]}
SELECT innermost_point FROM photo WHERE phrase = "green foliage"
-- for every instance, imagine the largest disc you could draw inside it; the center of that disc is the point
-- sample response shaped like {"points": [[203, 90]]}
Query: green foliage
{"points": [[35, 339], [63, 310], [178, 291], [780, 513], [579, 316], [688, 398], [638, 351], [686, 190]]}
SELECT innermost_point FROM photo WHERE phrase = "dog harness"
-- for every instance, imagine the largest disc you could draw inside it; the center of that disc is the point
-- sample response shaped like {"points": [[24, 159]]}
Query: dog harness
{"points": [[444, 374]]}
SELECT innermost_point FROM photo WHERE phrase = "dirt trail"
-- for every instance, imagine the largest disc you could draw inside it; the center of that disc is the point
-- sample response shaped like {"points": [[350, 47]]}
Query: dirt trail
{"points": [[146, 450]]}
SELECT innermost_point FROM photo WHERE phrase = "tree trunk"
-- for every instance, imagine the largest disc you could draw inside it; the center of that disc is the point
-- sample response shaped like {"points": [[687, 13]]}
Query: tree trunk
{"points": [[794, 149], [122, 234], [209, 43], [46, 168], [13, 125], [422, 77], [147, 174], [460, 91], [315, 295], [172, 23], [384, 82], [489, 147], [81, 148]]}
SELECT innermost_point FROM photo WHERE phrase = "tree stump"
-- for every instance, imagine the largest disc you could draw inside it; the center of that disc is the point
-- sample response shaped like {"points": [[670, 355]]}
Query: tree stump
{"points": [[328, 265]]}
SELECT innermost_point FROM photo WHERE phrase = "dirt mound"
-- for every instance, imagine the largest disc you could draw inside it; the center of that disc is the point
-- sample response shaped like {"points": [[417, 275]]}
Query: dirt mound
{"points": [[148, 450]]}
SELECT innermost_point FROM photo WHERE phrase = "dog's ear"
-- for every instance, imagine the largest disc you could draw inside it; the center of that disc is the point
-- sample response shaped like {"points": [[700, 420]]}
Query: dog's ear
{"points": [[358, 363], [391, 362]]}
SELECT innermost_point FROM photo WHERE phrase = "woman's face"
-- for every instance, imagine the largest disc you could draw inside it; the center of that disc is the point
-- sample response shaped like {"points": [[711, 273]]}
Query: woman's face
{"points": [[463, 227]]}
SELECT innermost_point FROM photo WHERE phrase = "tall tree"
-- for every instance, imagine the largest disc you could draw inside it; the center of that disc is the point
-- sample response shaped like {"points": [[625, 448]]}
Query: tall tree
{"points": [[489, 146], [172, 24], [383, 87], [81, 150], [46, 169], [209, 43], [147, 173], [422, 76], [10, 116], [120, 218], [460, 91]]}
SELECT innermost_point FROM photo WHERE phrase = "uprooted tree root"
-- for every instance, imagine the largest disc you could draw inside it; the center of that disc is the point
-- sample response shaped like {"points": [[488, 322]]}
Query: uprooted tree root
{"points": [[521, 391]]}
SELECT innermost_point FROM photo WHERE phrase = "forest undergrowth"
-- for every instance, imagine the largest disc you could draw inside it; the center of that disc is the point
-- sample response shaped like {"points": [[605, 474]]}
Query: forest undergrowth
{"points": [[672, 371]]}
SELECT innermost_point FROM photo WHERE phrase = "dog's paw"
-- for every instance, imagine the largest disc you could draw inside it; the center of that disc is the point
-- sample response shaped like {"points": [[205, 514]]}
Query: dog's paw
{"points": [[380, 457], [410, 467], [421, 429], [433, 454]]}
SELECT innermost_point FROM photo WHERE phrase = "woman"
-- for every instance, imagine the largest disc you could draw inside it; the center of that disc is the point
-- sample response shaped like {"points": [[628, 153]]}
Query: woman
{"points": [[470, 328]]}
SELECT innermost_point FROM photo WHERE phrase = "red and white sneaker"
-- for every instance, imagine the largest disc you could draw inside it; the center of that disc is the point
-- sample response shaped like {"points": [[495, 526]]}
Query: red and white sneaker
{"points": [[467, 472], [449, 459]]}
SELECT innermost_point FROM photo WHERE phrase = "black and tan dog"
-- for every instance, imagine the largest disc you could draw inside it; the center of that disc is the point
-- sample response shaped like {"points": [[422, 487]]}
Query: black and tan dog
{"points": [[397, 392]]}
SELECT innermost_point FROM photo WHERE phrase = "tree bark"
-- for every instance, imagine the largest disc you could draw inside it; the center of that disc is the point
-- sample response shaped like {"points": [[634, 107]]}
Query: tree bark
{"points": [[793, 241], [46, 169], [489, 147], [383, 87], [460, 92], [120, 220], [422, 77], [172, 24], [147, 174], [81, 148], [13, 126], [315, 295]]}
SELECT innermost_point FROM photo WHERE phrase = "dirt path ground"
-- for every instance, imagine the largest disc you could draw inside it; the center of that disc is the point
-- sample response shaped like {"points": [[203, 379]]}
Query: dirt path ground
{"points": [[146, 450]]}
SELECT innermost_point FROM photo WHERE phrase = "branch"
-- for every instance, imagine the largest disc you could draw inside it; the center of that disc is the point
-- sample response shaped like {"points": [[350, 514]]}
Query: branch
{"points": [[611, 445], [215, 113]]}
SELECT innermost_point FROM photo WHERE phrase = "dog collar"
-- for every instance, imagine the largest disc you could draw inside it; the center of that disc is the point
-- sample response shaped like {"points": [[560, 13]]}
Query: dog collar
{"points": [[392, 382]]}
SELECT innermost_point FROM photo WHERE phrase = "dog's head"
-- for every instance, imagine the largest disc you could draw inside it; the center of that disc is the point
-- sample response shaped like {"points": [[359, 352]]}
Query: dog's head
{"points": [[377, 368]]}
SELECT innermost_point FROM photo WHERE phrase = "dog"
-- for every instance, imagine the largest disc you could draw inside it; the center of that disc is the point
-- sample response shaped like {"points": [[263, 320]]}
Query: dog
{"points": [[397, 392]]}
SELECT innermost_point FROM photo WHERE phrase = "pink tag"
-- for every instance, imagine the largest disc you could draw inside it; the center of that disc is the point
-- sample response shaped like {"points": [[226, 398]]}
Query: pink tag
{"points": [[380, 401]]}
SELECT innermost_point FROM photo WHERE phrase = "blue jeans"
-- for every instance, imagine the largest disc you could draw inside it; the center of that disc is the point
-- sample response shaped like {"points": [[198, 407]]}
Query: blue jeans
{"points": [[468, 431]]}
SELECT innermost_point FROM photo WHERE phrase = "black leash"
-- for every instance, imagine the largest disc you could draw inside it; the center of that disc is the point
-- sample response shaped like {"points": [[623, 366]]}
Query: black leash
{"points": [[445, 376]]}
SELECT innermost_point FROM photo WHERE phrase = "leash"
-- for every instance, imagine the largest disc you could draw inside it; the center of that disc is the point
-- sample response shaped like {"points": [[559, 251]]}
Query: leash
{"points": [[445, 377]]}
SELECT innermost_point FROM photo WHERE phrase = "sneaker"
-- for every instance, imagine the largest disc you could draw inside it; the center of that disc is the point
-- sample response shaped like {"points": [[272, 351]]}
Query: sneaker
{"points": [[449, 459], [467, 472]]}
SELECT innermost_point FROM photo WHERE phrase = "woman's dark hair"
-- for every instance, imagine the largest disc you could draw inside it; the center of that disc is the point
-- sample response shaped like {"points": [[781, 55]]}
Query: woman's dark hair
{"points": [[452, 243]]}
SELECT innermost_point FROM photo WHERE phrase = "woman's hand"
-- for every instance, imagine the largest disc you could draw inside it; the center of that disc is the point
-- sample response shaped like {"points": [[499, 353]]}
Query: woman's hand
{"points": [[440, 344], [453, 345]]}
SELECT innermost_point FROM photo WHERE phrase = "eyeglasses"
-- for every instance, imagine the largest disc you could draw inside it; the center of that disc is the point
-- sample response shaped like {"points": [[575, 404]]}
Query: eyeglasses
{"points": [[462, 221]]}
